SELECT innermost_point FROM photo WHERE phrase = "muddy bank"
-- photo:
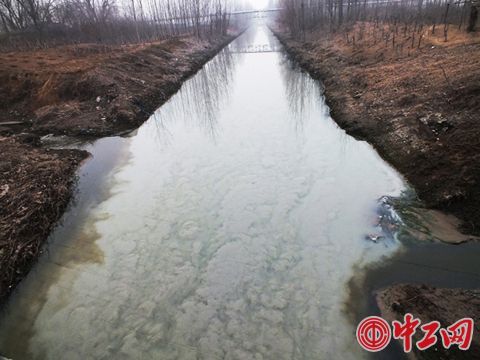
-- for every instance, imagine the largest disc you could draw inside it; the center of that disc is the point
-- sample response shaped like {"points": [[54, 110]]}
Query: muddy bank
{"points": [[420, 109], [81, 91], [35, 188], [429, 304]]}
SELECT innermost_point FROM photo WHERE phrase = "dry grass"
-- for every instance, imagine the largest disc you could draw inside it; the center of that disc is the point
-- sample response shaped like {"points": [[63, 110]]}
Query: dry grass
{"points": [[378, 41]]}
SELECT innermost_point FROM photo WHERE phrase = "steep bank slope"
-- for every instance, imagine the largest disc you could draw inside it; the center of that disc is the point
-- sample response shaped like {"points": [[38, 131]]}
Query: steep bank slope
{"points": [[95, 90], [420, 108]]}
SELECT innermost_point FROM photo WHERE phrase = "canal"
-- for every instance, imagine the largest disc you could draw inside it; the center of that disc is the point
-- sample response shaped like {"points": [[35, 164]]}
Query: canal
{"points": [[228, 226]]}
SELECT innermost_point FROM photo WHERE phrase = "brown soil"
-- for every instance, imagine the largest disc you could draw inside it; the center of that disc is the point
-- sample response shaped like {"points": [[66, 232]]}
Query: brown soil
{"points": [[85, 90], [420, 107], [35, 187], [93, 90], [428, 304]]}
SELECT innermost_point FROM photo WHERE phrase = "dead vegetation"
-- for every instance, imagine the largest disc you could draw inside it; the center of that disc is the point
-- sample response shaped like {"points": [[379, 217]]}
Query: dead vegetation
{"points": [[95, 90], [300, 17], [36, 24], [35, 188]]}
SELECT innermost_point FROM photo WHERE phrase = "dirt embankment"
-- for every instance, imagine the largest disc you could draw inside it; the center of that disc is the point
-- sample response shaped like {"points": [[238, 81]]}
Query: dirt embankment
{"points": [[432, 304], [35, 187], [93, 90], [419, 107], [85, 90]]}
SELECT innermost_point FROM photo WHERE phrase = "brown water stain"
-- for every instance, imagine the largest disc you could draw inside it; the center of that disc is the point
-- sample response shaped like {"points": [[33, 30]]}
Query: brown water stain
{"points": [[436, 225], [81, 250]]}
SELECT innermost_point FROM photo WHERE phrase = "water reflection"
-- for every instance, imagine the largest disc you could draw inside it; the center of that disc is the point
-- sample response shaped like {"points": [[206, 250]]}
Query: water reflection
{"points": [[306, 100], [255, 42], [242, 42], [201, 99], [303, 93]]}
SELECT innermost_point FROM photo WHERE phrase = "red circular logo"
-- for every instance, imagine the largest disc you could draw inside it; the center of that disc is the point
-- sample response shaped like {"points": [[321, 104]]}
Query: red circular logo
{"points": [[373, 334]]}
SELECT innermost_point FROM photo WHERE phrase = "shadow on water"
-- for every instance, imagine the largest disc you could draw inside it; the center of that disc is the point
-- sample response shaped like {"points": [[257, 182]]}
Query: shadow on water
{"points": [[72, 243]]}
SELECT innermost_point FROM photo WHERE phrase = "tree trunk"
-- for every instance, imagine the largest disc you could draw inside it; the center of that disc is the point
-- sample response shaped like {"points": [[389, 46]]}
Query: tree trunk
{"points": [[472, 21], [340, 12]]}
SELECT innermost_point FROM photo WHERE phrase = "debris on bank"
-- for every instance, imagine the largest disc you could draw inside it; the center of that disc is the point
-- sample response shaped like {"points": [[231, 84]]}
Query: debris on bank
{"points": [[35, 188]]}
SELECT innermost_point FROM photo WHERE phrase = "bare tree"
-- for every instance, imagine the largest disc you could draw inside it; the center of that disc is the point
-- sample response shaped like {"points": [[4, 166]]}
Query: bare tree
{"points": [[472, 21], [26, 23], [387, 16]]}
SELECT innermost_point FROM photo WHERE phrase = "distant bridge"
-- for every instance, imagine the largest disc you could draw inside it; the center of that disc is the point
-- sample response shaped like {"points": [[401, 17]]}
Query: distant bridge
{"points": [[254, 11], [241, 12], [253, 49]]}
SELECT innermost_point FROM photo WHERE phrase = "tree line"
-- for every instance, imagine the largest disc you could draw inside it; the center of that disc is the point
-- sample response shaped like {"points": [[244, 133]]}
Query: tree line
{"points": [[43, 23], [300, 16]]}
